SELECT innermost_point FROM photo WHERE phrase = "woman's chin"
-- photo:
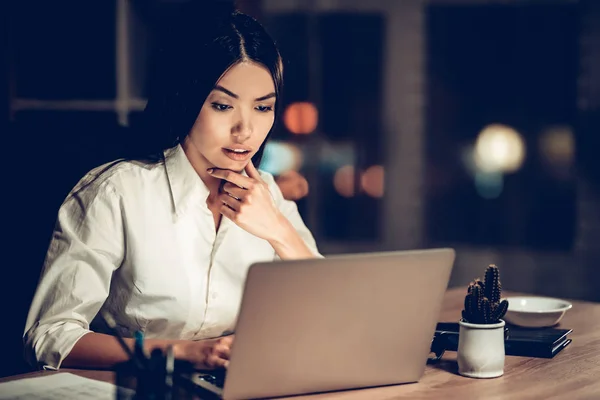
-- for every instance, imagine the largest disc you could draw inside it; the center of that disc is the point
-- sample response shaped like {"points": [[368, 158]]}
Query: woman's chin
{"points": [[235, 166]]}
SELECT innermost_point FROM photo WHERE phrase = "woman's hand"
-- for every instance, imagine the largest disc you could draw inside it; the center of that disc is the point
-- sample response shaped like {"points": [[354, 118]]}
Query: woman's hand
{"points": [[208, 353], [247, 201]]}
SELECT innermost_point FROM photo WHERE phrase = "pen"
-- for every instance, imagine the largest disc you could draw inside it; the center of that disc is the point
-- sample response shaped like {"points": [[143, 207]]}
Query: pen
{"points": [[139, 352], [169, 372], [111, 324]]}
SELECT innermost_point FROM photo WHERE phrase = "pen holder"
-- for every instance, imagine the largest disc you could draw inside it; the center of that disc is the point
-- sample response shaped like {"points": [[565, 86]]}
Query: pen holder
{"points": [[127, 377], [152, 378]]}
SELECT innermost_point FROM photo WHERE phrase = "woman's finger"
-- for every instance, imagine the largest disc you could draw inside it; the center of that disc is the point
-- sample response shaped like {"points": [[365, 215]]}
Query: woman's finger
{"points": [[230, 201], [233, 177], [223, 350], [252, 171], [235, 191], [228, 212], [214, 361]]}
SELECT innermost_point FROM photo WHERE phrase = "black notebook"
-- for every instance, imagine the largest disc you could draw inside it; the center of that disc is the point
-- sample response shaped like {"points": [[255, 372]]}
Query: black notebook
{"points": [[525, 342]]}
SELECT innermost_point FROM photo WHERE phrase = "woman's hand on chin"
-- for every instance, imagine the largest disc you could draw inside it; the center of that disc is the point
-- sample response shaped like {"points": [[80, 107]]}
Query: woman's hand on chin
{"points": [[247, 201]]}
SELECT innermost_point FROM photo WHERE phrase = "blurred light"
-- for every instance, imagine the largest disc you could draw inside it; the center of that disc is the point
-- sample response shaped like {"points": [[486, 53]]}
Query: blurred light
{"points": [[499, 148], [372, 181], [301, 118], [343, 181], [280, 157], [557, 146], [489, 185], [332, 156]]}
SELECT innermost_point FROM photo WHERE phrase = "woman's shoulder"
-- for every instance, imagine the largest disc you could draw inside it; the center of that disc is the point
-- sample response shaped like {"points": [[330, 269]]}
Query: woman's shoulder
{"points": [[115, 176]]}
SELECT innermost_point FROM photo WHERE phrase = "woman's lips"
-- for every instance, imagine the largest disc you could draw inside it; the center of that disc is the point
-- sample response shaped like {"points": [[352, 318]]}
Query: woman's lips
{"points": [[238, 155]]}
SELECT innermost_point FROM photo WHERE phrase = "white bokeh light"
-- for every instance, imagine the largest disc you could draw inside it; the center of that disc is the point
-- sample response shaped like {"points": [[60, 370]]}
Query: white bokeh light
{"points": [[499, 148]]}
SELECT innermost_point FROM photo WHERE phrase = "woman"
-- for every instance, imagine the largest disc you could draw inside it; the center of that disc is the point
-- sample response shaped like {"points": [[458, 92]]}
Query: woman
{"points": [[163, 245]]}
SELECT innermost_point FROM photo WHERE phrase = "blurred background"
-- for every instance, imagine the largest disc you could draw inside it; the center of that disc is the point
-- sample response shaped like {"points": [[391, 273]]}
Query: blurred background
{"points": [[473, 124]]}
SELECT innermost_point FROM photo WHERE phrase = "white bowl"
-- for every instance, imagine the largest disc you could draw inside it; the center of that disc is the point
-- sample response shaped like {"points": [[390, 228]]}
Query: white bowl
{"points": [[535, 312]]}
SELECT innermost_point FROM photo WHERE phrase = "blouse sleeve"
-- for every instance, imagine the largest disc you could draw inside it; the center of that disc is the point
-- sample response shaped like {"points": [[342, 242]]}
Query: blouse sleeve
{"points": [[86, 247], [290, 210]]}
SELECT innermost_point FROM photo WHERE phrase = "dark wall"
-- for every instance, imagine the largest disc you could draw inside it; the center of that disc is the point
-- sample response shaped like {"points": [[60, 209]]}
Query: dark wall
{"points": [[515, 65]]}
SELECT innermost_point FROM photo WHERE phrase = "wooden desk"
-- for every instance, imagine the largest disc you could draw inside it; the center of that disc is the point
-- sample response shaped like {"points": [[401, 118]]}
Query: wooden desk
{"points": [[574, 373]]}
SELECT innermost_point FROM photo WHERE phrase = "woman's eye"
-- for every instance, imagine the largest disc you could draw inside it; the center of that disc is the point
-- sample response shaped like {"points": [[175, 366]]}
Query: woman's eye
{"points": [[221, 107], [264, 108]]}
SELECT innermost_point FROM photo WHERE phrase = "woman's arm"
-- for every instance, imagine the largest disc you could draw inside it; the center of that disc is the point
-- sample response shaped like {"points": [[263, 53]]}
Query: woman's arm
{"points": [[86, 248], [288, 244], [97, 350]]}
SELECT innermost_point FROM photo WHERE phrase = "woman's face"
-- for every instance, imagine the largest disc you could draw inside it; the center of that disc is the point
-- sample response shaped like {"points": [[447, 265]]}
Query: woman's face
{"points": [[235, 118]]}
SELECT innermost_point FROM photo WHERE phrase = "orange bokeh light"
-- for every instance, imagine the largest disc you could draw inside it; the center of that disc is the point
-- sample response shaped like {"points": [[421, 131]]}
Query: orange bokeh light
{"points": [[301, 118], [343, 181], [372, 181]]}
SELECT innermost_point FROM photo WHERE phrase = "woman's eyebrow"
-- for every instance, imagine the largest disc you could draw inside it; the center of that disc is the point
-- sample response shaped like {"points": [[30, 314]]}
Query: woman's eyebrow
{"points": [[272, 94], [235, 96], [227, 92]]}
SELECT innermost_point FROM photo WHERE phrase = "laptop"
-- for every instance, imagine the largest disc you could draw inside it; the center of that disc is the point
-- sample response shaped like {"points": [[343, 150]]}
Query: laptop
{"points": [[341, 322]]}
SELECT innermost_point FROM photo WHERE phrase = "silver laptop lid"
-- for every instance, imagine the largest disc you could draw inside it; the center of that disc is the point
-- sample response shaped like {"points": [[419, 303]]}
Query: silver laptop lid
{"points": [[341, 322]]}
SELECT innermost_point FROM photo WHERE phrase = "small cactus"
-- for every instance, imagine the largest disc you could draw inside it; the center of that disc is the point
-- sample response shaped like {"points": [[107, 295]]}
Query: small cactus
{"points": [[492, 284], [482, 302]]}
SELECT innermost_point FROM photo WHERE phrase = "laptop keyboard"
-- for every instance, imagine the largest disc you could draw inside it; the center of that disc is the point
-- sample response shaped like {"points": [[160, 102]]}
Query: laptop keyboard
{"points": [[216, 378]]}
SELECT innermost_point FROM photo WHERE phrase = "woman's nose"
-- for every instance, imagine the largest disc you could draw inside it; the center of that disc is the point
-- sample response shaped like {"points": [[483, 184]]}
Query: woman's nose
{"points": [[242, 129]]}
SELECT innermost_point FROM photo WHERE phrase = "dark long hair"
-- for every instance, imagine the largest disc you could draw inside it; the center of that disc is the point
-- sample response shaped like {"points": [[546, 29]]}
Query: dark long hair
{"points": [[202, 41]]}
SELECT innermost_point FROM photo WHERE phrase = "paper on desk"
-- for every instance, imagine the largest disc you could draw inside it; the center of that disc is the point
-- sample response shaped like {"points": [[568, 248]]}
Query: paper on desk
{"points": [[63, 386]]}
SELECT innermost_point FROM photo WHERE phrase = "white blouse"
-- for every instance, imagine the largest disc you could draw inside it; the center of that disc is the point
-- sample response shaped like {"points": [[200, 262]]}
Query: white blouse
{"points": [[139, 241]]}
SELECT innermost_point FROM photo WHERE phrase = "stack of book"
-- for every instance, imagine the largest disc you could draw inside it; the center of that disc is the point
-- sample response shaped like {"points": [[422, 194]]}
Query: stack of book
{"points": [[524, 342]]}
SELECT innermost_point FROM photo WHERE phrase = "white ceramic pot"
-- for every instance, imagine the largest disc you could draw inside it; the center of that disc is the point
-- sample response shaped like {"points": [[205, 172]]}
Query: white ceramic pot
{"points": [[481, 350]]}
